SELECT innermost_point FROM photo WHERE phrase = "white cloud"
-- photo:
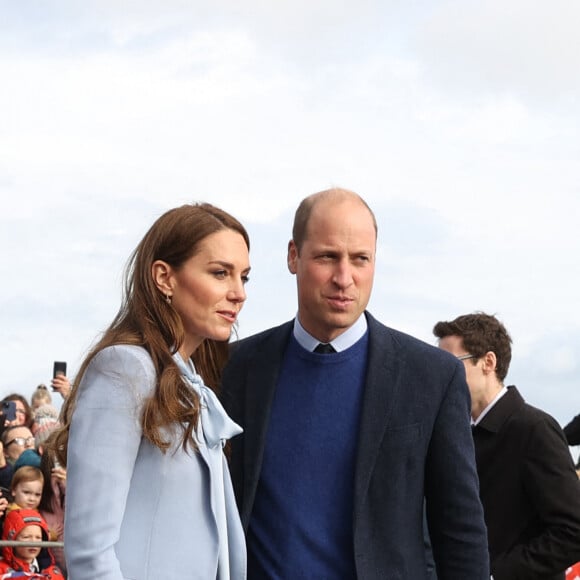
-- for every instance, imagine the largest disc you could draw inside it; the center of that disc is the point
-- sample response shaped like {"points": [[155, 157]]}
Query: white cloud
{"points": [[531, 48], [466, 148]]}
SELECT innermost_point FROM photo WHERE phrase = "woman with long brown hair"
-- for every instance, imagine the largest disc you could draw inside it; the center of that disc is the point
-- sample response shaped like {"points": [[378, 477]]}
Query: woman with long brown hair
{"points": [[148, 490]]}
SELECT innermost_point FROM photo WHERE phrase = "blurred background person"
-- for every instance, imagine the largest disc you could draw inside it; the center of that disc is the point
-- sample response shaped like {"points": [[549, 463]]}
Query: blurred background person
{"points": [[45, 422], [23, 410], [41, 396], [13, 442], [23, 561], [52, 503], [26, 488]]}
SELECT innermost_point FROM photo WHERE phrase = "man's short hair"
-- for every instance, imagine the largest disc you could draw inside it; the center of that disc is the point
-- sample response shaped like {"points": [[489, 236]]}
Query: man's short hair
{"points": [[304, 211], [480, 333]]}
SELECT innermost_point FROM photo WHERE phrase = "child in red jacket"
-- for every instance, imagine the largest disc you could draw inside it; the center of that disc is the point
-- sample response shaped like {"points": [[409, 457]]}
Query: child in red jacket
{"points": [[27, 562]]}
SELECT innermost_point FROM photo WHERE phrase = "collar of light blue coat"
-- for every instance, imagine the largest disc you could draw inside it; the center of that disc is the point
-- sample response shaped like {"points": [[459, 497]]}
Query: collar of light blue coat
{"points": [[216, 424]]}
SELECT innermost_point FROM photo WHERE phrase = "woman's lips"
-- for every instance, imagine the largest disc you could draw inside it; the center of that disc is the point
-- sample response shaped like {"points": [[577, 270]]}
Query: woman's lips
{"points": [[229, 315]]}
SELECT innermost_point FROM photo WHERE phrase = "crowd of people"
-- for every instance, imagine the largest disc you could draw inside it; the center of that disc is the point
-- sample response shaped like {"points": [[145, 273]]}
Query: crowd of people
{"points": [[352, 450], [32, 485]]}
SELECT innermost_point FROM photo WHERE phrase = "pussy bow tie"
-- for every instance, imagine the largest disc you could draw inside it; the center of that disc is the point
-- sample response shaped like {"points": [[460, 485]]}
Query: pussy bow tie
{"points": [[216, 423]]}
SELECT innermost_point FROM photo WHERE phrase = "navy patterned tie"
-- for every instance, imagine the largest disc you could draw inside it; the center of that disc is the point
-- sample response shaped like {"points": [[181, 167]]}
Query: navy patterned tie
{"points": [[324, 348]]}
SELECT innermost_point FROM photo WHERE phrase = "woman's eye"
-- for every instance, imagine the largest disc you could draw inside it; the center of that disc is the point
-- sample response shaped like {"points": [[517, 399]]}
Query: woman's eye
{"points": [[245, 279], [220, 274]]}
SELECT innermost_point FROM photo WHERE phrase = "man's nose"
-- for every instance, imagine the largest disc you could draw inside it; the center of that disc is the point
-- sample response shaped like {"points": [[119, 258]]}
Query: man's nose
{"points": [[342, 276]]}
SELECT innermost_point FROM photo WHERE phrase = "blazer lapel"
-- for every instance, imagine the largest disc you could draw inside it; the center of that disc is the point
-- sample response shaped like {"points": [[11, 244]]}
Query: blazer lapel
{"points": [[261, 379], [381, 388]]}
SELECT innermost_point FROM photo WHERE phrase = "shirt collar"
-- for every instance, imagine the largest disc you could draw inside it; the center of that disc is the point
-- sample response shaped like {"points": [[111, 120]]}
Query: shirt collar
{"points": [[340, 343], [490, 406]]}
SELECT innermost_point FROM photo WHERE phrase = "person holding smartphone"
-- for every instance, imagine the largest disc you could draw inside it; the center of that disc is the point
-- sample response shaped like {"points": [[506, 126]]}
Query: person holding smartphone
{"points": [[142, 421], [60, 383], [23, 411]]}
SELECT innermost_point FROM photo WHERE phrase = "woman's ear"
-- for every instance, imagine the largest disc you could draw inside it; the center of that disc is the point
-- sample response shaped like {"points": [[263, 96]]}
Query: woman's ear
{"points": [[163, 277]]}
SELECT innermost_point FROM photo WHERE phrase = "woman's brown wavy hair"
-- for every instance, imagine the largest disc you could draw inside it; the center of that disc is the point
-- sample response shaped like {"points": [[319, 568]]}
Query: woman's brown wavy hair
{"points": [[146, 319]]}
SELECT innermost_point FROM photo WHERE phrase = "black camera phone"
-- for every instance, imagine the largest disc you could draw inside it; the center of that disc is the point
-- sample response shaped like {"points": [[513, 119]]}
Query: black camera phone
{"points": [[8, 411], [59, 368]]}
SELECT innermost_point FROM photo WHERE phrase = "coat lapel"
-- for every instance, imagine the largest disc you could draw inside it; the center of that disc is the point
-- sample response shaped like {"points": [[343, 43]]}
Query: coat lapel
{"points": [[382, 385], [261, 380]]}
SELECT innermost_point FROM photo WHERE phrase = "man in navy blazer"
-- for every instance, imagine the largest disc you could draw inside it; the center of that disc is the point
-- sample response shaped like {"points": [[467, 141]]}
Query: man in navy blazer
{"points": [[352, 430]]}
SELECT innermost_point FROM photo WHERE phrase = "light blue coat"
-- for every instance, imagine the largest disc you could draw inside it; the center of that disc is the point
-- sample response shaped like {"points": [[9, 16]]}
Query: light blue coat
{"points": [[132, 512]]}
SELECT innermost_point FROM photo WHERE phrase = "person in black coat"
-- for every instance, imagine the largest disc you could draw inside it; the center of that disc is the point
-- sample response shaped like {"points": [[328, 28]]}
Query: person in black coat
{"points": [[528, 486], [572, 432]]}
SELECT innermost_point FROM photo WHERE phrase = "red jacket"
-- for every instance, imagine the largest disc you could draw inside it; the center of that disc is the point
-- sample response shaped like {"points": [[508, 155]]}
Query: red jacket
{"points": [[573, 573], [13, 567]]}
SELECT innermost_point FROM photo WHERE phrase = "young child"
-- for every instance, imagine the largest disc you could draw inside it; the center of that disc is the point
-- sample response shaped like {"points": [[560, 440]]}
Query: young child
{"points": [[22, 562], [26, 488], [41, 396]]}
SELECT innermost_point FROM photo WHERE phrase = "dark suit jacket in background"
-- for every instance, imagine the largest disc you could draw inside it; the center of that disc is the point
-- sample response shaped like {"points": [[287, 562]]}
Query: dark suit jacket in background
{"points": [[572, 431], [530, 492], [414, 440]]}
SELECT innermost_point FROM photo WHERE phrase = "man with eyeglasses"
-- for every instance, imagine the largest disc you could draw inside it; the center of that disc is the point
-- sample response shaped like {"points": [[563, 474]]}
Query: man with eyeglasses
{"points": [[528, 487], [14, 441]]}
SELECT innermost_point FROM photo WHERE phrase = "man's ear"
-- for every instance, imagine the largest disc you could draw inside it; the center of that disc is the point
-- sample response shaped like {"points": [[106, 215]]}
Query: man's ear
{"points": [[292, 257], [489, 362], [163, 277]]}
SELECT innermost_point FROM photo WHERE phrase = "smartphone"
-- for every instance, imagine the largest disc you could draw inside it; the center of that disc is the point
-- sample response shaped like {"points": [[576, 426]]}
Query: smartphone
{"points": [[59, 368], [8, 410]]}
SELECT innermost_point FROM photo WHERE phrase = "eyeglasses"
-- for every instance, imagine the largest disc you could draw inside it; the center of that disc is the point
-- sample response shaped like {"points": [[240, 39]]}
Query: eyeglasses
{"points": [[466, 356], [21, 441]]}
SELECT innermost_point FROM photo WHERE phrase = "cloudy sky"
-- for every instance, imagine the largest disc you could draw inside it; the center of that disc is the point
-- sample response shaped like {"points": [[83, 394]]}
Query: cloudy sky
{"points": [[457, 120]]}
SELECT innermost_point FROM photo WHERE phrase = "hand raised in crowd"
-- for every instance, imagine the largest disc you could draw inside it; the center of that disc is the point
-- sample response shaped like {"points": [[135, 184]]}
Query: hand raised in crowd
{"points": [[60, 384], [3, 504], [59, 473]]}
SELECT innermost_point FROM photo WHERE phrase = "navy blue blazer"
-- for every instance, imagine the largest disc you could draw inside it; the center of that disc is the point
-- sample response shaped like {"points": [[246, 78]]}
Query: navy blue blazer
{"points": [[414, 444]]}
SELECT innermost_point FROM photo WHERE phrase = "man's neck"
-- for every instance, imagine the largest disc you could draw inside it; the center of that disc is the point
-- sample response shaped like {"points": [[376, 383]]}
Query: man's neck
{"points": [[480, 404]]}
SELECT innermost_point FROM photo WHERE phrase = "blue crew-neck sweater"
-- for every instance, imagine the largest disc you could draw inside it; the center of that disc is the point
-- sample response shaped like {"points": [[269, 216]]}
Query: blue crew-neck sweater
{"points": [[301, 524]]}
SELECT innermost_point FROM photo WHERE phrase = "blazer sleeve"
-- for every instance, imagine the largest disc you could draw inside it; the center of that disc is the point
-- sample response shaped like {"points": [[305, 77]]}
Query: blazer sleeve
{"points": [[232, 396], [104, 440], [454, 511], [554, 490]]}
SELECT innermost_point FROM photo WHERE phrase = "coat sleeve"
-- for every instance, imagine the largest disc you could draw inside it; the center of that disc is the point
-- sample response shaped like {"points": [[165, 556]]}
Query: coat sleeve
{"points": [[572, 431], [454, 511], [104, 439], [553, 489]]}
